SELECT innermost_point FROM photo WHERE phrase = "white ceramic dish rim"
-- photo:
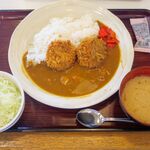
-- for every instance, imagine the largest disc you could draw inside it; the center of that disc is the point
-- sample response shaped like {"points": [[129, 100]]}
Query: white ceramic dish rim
{"points": [[68, 104], [21, 108]]}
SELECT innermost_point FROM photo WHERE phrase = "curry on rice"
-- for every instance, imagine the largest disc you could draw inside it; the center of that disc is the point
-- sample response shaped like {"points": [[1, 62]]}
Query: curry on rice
{"points": [[72, 67]]}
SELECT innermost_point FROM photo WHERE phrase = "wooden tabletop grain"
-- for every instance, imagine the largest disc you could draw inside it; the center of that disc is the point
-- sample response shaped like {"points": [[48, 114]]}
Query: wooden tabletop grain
{"points": [[75, 141]]}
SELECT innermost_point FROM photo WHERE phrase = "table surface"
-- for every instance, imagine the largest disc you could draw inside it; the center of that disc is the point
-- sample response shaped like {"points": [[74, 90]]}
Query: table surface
{"points": [[75, 140], [34, 4]]}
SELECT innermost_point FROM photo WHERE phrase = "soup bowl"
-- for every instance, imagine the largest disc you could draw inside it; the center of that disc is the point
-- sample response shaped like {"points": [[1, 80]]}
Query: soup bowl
{"points": [[137, 72]]}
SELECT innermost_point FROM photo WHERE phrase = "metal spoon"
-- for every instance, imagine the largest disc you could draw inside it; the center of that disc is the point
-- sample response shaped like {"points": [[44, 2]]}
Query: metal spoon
{"points": [[91, 118]]}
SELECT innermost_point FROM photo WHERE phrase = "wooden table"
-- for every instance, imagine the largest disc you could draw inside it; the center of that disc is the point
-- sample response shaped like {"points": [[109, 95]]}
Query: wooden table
{"points": [[75, 140]]}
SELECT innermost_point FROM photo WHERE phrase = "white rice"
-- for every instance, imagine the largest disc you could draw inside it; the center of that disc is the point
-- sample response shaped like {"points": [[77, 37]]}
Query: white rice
{"points": [[66, 28]]}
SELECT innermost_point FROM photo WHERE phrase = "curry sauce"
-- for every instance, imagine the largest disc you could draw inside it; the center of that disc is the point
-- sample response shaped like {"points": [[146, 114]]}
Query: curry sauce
{"points": [[77, 80]]}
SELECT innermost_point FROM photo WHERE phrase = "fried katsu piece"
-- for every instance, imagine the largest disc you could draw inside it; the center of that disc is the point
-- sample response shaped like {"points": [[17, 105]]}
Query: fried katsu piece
{"points": [[60, 55], [91, 52]]}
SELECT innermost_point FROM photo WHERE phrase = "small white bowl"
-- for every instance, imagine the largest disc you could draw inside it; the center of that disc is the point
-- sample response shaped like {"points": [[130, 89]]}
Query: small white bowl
{"points": [[21, 109]]}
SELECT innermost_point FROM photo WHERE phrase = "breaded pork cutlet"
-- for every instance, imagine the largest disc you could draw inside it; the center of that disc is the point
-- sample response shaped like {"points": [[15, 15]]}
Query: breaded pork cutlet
{"points": [[60, 55], [91, 52]]}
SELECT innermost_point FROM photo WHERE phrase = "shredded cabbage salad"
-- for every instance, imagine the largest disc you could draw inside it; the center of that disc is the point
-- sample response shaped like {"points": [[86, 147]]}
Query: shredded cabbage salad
{"points": [[10, 100]]}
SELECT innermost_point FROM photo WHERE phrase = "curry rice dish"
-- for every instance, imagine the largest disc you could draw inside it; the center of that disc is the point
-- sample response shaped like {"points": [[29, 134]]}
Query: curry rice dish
{"points": [[71, 66]]}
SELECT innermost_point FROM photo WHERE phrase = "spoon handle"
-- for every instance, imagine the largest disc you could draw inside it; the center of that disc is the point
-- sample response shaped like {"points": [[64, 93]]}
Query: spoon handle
{"points": [[118, 120]]}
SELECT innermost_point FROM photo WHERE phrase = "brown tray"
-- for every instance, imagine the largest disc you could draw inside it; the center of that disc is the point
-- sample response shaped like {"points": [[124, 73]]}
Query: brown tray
{"points": [[39, 117]]}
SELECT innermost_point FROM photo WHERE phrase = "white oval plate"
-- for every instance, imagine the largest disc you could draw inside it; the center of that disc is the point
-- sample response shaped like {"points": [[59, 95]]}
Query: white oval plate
{"points": [[37, 19]]}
